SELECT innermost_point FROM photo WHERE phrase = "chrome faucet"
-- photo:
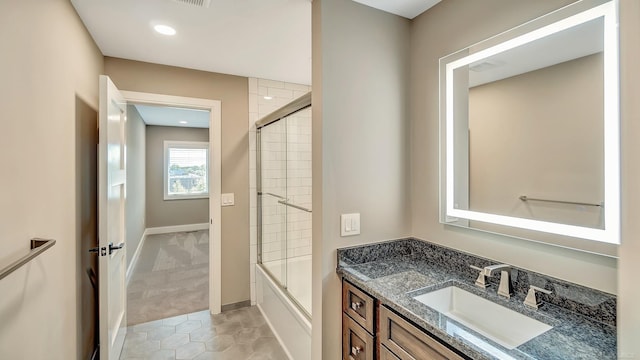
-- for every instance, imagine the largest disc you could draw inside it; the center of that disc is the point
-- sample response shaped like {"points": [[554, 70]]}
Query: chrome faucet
{"points": [[505, 289]]}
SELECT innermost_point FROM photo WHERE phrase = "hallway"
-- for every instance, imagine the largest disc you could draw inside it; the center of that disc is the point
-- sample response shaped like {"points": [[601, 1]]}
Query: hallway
{"points": [[171, 277]]}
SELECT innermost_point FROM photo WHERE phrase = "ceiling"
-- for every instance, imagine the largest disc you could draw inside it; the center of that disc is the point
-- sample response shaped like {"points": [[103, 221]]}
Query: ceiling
{"points": [[172, 116], [405, 8], [254, 38], [269, 39]]}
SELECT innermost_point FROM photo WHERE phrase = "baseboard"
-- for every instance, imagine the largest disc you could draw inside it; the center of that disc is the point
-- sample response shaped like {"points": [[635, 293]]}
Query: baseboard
{"points": [[134, 258], [235, 306], [176, 228]]}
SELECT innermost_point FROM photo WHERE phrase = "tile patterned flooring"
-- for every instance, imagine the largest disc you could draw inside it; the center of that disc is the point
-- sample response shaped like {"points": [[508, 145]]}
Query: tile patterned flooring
{"points": [[171, 277], [168, 291], [239, 334]]}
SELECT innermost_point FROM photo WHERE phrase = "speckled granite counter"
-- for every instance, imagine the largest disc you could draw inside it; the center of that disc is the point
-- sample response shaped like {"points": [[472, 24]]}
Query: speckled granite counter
{"points": [[394, 272]]}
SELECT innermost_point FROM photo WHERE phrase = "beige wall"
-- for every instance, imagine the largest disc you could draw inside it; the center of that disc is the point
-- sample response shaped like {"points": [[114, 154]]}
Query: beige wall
{"points": [[360, 135], [232, 91], [48, 62], [629, 261], [135, 203], [161, 212]]}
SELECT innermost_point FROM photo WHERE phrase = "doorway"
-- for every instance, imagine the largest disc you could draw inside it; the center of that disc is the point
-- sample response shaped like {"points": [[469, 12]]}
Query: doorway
{"points": [[167, 212], [213, 221]]}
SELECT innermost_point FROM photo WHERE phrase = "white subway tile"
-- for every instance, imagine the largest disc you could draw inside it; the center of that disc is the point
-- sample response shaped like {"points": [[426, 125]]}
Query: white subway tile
{"points": [[253, 85], [253, 235], [299, 87], [253, 104], [271, 83], [281, 93], [299, 93]]}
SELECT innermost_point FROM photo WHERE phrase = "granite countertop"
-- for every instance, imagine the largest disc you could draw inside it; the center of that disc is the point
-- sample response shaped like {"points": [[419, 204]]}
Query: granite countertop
{"points": [[394, 272]]}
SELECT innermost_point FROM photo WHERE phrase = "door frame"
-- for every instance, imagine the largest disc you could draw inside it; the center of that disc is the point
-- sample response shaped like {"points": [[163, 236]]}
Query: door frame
{"points": [[215, 178]]}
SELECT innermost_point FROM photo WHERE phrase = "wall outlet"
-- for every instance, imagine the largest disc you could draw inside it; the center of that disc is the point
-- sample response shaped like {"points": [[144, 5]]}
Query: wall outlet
{"points": [[350, 224], [228, 199]]}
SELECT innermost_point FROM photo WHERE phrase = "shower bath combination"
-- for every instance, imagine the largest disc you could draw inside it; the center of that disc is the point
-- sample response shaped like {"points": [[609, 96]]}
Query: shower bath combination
{"points": [[283, 272]]}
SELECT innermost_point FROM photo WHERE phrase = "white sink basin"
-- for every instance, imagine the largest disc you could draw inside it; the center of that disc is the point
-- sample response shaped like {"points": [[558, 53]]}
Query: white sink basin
{"points": [[496, 322]]}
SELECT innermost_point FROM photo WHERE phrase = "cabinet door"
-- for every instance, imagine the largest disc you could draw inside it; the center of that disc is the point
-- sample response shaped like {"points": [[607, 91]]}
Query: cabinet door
{"points": [[359, 305], [357, 344], [408, 342]]}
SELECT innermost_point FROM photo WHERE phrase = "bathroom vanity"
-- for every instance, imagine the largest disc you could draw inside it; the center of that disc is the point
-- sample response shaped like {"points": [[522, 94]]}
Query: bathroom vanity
{"points": [[396, 293]]}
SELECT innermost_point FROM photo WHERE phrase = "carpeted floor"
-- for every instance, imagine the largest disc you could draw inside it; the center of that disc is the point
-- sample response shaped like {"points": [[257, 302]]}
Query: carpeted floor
{"points": [[171, 277]]}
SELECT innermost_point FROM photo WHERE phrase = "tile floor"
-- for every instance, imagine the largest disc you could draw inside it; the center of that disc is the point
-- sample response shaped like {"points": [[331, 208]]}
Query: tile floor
{"points": [[239, 334], [171, 277]]}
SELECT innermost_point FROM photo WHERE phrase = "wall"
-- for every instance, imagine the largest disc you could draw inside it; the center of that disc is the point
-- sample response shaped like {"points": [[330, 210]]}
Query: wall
{"points": [[360, 136], [629, 261], [48, 62], [282, 93], [448, 27], [161, 212], [135, 211], [232, 91]]}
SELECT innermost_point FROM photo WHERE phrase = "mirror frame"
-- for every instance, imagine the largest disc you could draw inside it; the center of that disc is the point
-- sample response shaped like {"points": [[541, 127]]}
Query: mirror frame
{"points": [[564, 18]]}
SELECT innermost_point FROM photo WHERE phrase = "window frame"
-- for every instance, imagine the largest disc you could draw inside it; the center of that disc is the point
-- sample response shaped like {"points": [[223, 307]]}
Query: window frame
{"points": [[172, 144]]}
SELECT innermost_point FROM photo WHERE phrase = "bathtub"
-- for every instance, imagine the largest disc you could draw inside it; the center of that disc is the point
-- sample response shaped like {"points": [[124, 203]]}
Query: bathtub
{"points": [[287, 321]]}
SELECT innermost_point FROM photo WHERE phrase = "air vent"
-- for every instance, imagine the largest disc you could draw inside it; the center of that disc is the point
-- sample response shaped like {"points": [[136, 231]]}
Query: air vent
{"points": [[198, 3]]}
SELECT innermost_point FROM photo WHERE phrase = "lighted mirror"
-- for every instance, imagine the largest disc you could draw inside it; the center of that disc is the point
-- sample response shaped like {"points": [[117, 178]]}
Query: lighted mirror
{"points": [[530, 131]]}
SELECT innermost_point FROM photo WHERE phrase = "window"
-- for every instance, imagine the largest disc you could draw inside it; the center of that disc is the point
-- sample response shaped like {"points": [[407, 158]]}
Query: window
{"points": [[186, 170]]}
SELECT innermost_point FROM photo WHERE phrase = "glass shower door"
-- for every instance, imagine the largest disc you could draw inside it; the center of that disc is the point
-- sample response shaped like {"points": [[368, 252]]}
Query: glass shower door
{"points": [[284, 204], [298, 213], [273, 184]]}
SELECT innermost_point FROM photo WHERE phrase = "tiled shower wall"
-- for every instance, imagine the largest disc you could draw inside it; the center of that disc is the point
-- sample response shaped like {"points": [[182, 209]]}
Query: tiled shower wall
{"points": [[300, 164], [299, 183]]}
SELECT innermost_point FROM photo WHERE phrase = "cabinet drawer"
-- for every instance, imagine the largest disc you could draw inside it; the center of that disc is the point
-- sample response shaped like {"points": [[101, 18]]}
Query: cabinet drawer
{"points": [[408, 342], [385, 354], [357, 344], [358, 305]]}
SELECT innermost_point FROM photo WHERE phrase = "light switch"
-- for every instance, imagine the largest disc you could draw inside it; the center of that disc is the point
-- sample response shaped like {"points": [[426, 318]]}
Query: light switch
{"points": [[350, 224], [228, 199]]}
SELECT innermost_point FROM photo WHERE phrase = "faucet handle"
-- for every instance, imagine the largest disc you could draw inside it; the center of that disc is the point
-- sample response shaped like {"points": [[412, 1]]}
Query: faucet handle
{"points": [[531, 299], [481, 281]]}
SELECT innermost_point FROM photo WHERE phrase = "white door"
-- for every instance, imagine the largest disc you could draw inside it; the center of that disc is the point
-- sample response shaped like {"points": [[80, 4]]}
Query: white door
{"points": [[111, 201]]}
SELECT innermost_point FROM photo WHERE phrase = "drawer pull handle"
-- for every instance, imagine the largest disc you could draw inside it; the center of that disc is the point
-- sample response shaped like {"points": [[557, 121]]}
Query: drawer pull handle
{"points": [[356, 305], [355, 350]]}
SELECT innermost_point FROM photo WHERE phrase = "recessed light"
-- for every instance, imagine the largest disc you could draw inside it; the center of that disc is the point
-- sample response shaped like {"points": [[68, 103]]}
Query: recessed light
{"points": [[268, 97], [165, 30], [182, 122]]}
